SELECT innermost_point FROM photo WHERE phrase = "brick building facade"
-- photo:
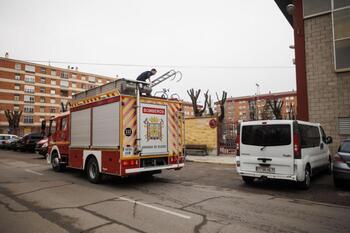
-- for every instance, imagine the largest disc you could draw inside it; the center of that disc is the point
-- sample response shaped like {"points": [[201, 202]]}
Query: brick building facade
{"points": [[322, 44], [38, 90]]}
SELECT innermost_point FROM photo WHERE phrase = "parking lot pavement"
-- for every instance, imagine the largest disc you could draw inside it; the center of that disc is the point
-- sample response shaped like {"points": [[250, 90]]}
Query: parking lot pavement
{"points": [[199, 198]]}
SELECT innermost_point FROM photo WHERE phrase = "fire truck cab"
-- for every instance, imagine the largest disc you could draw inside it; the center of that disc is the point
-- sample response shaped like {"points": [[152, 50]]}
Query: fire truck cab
{"points": [[118, 129]]}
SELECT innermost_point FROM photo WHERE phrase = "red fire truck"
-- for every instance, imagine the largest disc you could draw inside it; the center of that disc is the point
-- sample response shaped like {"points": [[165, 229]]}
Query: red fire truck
{"points": [[118, 129]]}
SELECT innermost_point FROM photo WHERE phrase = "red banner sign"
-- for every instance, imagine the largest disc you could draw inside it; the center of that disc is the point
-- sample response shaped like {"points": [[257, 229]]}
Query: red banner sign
{"points": [[156, 111]]}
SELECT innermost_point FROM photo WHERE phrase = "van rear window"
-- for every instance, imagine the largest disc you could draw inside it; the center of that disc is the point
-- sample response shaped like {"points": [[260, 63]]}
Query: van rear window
{"points": [[266, 135]]}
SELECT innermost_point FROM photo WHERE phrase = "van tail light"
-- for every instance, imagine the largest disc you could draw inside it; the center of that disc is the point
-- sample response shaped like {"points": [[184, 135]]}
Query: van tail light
{"points": [[238, 151], [296, 146], [338, 158]]}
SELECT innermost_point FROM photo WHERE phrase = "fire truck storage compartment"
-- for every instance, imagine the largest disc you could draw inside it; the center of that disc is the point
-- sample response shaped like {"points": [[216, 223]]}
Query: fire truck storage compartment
{"points": [[80, 128], [105, 125]]}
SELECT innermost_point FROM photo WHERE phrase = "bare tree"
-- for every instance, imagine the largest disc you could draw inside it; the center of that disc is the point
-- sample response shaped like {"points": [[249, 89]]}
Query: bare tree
{"points": [[221, 103], [13, 118], [194, 98], [266, 112], [210, 106], [276, 107]]}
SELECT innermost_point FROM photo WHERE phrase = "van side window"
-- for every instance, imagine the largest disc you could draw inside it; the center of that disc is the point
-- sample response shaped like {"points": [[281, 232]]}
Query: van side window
{"points": [[324, 136], [309, 135]]}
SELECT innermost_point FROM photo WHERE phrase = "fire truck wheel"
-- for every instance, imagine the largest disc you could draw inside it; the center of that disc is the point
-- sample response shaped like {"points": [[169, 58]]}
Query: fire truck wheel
{"points": [[93, 173], [55, 162]]}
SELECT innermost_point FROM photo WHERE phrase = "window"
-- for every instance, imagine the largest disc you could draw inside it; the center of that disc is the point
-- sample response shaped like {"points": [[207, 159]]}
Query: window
{"points": [[64, 75], [17, 86], [344, 125], [16, 107], [29, 68], [42, 90], [64, 93], [29, 99], [64, 83], [28, 119], [315, 7], [29, 109], [18, 66], [42, 109], [74, 76], [266, 135], [74, 85], [341, 25], [309, 136], [345, 147], [52, 110], [29, 89], [324, 136], [340, 3], [53, 72], [42, 80], [17, 77], [64, 123], [29, 79], [53, 82], [16, 97], [53, 92], [43, 70], [92, 79], [83, 78], [52, 101], [42, 99]]}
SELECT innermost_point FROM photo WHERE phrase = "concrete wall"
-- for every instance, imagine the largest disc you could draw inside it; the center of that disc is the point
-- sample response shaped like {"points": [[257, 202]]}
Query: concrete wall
{"points": [[198, 131], [328, 91]]}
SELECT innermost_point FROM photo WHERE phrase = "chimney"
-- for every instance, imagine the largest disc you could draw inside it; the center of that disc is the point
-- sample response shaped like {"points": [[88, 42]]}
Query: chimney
{"points": [[6, 55]]}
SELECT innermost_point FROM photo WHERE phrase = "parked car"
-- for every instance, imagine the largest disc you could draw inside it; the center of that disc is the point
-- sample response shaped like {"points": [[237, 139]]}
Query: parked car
{"points": [[341, 164], [41, 147], [4, 138], [28, 142], [12, 143], [7, 144], [282, 149]]}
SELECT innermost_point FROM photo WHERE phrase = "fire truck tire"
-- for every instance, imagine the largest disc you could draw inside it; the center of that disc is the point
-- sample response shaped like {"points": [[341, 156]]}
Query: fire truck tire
{"points": [[92, 171], [55, 162]]}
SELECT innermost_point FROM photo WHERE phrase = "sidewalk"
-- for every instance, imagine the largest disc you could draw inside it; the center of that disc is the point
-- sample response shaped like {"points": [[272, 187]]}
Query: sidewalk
{"points": [[221, 159]]}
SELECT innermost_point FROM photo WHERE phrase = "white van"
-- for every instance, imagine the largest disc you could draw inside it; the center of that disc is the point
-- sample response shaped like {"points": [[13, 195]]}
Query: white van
{"points": [[5, 137], [282, 149]]}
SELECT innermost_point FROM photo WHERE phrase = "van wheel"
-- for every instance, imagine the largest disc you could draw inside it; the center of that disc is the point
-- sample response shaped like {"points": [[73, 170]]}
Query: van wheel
{"points": [[248, 179], [307, 181], [93, 173], [55, 162]]}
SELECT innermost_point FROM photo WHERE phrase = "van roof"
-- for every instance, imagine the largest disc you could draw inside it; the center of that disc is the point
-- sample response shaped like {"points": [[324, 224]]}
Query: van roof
{"points": [[260, 122]]}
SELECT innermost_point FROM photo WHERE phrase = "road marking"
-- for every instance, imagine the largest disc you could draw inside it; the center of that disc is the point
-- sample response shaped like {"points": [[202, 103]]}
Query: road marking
{"points": [[34, 172], [155, 208]]}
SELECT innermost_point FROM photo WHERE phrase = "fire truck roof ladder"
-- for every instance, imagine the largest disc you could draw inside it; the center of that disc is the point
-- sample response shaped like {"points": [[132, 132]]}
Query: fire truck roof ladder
{"points": [[171, 74]]}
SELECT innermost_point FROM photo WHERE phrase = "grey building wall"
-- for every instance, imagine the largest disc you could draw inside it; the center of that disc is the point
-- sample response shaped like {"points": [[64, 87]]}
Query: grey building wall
{"points": [[328, 91]]}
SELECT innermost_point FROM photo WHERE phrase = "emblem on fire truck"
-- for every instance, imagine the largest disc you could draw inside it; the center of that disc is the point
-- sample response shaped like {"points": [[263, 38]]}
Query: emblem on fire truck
{"points": [[154, 126]]}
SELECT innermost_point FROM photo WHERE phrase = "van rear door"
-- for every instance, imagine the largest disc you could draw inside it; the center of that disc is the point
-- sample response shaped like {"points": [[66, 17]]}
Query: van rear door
{"points": [[267, 148]]}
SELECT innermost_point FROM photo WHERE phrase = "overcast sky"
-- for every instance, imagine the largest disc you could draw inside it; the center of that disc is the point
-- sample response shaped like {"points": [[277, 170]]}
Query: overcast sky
{"points": [[218, 45]]}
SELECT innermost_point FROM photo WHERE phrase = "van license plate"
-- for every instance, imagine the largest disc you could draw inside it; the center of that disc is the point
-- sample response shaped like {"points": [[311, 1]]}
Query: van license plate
{"points": [[265, 169]]}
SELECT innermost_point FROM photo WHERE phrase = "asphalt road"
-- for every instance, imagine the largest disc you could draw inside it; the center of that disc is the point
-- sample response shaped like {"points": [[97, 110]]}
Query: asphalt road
{"points": [[199, 198]]}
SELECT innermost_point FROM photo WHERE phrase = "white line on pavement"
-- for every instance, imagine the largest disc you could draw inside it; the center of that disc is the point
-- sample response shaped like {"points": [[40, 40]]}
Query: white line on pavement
{"points": [[34, 172], [155, 208]]}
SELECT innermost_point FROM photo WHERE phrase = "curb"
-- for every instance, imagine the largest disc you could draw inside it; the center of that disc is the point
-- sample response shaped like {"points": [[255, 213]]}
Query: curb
{"points": [[210, 161]]}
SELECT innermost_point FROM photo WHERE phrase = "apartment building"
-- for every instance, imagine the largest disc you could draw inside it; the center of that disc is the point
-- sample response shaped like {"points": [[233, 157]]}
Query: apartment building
{"points": [[255, 107], [38, 91]]}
